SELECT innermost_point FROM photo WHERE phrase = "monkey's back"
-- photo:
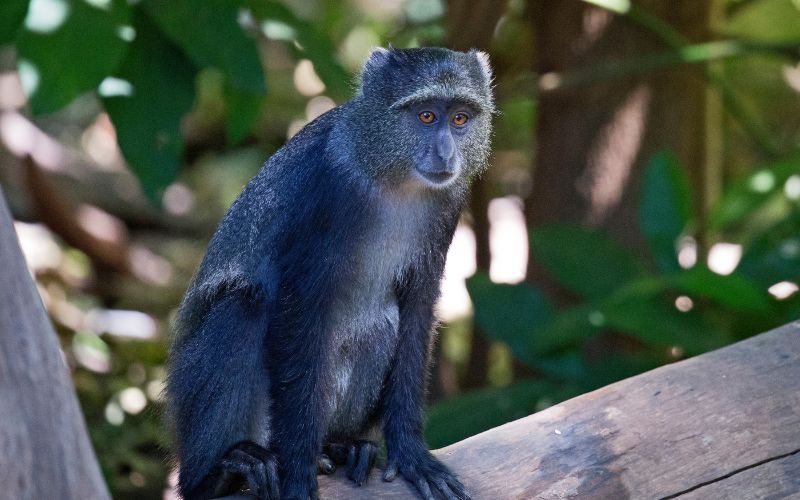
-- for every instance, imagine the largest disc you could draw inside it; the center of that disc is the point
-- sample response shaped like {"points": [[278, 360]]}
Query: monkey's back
{"points": [[274, 207]]}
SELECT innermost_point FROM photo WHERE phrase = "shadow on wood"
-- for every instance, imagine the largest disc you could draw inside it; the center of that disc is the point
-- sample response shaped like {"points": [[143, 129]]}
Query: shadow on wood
{"points": [[722, 425]]}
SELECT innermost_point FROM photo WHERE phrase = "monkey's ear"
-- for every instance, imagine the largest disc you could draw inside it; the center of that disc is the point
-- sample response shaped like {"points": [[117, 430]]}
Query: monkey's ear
{"points": [[377, 59], [483, 60]]}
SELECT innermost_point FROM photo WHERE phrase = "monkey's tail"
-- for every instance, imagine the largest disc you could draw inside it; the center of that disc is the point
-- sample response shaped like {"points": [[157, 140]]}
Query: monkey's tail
{"points": [[217, 385]]}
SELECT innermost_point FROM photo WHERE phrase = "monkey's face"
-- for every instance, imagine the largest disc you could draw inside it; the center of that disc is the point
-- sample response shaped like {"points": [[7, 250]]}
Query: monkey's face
{"points": [[441, 128], [424, 116]]}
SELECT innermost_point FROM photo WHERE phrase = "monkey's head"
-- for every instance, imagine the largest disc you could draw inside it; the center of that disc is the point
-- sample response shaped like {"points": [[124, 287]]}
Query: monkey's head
{"points": [[425, 115]]}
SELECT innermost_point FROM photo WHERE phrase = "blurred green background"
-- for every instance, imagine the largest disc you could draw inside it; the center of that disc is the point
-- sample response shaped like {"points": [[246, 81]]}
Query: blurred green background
{"points": [[641, 207]]}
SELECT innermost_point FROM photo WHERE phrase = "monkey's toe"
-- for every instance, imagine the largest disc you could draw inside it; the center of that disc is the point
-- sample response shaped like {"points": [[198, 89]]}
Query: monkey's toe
{"points": [[360, 459]]}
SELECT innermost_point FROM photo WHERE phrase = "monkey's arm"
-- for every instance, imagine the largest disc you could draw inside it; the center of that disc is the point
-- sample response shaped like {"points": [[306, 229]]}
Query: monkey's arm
{"points": [[403, 405]]}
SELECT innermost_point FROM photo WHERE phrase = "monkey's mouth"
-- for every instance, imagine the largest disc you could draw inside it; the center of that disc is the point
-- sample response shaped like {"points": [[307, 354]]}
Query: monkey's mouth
{"points": [[437, 178]]}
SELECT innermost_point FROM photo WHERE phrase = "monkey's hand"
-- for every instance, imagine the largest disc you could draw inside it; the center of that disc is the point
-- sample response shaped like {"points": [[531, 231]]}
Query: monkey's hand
{"points": [[426, 473]]}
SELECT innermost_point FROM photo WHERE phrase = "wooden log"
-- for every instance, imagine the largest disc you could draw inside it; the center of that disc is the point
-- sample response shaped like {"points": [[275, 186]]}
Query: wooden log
{"points": [[722, 425], [45, 449]]}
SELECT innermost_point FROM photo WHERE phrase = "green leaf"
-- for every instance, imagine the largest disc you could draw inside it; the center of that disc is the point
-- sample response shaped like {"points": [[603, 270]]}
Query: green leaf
{"points": [[587, 262], [209, 32], [567, 366], [12, 13], [509, 313], [733, 291], [73, 55], [567, 329], [487, 408], [747, 195], [621, 365], [665, 209], [656, 321], [313, 45], [148, 121], [774, 254], [766, 20], [242, 108]]}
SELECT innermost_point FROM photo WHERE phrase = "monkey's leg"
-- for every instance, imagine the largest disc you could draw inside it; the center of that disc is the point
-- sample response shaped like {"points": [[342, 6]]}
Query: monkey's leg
{"points": [[359, 456]]}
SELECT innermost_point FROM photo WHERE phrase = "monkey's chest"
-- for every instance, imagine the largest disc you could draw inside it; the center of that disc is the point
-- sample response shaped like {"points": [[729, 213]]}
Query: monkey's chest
{"points": [[365, 331]]}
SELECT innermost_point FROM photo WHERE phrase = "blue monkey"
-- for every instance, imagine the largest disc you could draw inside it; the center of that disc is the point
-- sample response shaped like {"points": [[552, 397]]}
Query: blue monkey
{"points": [[306, 331]]}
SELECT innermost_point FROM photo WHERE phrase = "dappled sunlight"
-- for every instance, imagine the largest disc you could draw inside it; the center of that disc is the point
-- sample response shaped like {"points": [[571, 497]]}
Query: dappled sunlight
{"points": [[100, 224], [121, 323], [684, 303], [792, 187], [687, 252], [317, 106], [454, 301], [148, 266], [99, 142], [23, 138], [46, 16], [112, 86], [39, 246], [783, 290], [724, 257], [178, 199], [508, 240], [12, 95], [306, 80], [613, 155]]}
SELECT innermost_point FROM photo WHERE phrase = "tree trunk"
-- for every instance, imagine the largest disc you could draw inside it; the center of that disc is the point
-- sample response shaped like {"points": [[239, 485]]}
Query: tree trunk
{"points": [[45, 448], [594, 141]]}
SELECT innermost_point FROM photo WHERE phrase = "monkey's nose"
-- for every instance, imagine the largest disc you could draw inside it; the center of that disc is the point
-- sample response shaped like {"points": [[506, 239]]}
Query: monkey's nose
{"points": [[445, 147]]}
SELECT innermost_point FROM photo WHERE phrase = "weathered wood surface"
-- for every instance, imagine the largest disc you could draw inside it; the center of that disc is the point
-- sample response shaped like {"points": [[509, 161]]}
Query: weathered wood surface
{"points": [[722, 425], [44, 448]]}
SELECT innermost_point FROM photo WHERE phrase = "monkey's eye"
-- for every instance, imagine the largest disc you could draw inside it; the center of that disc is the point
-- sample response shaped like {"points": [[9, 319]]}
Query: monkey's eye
{"points": [[427, 117], [460, 119]]}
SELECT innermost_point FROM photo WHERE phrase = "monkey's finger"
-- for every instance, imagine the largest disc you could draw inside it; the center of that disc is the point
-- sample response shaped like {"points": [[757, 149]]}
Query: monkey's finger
{"points": [[390, 472], [424, 488], [363, 463], [458, 488], [447, 492], [314, 494]]}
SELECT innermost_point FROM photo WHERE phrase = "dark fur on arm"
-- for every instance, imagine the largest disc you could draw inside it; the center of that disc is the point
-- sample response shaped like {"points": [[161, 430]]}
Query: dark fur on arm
{"points": [[404, 390]]}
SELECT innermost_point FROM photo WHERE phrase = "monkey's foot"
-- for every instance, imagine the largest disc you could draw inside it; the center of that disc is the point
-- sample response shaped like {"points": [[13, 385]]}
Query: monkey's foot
{"points": [[426, 473], [359, 456], [245, 465]]}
